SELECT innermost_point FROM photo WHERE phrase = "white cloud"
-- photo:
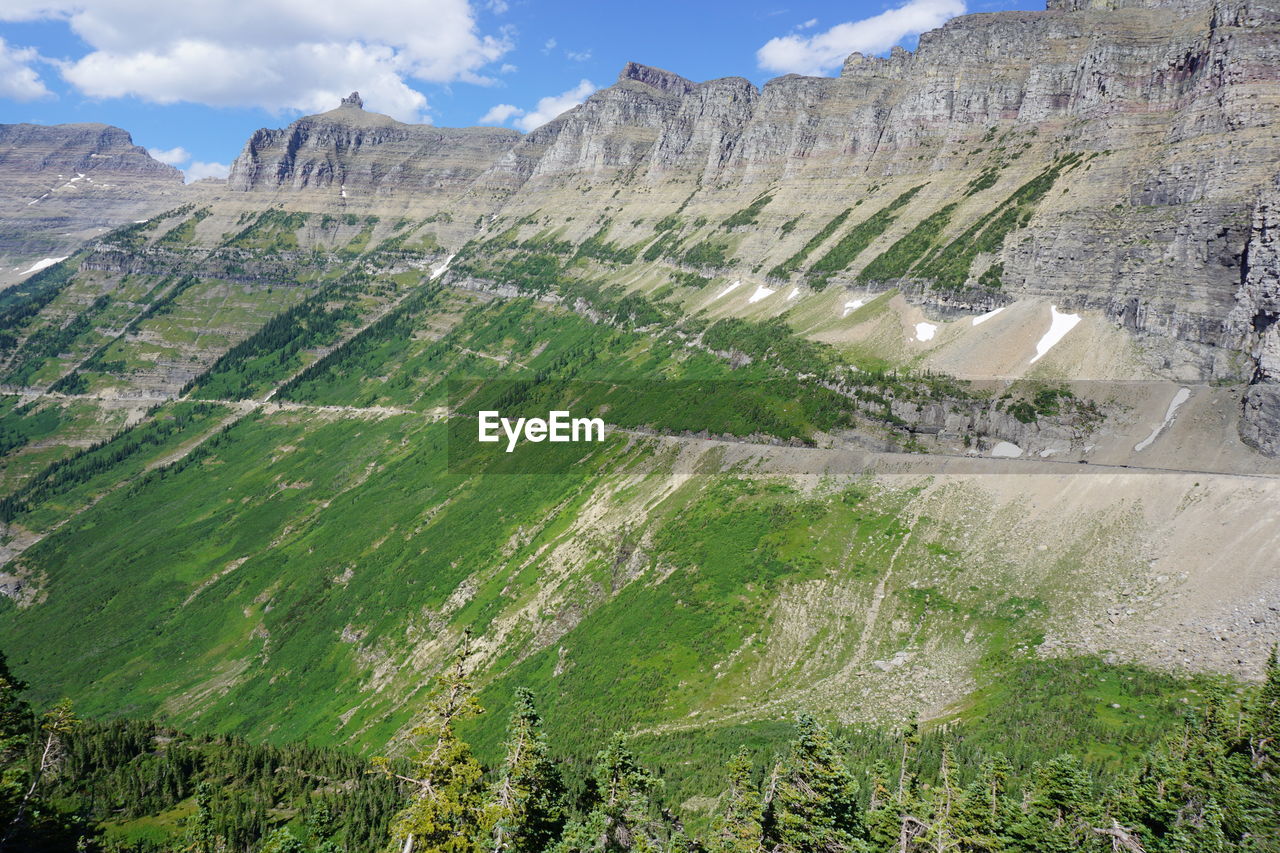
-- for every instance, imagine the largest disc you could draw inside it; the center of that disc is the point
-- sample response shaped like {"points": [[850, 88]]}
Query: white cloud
{"points": [[549, 46], [547, 108], [172, 156], [577, 56], [275, 54], [18, 80], [826, 51], [508, 68], [808, 25], [551, 106], [199, 170], [499, 113]]}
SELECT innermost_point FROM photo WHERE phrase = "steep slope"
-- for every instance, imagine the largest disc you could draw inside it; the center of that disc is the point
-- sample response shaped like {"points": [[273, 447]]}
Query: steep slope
{"points": [[68, 183], [767, 292]]}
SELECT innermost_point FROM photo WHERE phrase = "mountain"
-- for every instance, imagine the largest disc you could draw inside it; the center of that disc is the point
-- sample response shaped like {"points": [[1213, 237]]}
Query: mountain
{"points": [[951, 373], [68, 183]]}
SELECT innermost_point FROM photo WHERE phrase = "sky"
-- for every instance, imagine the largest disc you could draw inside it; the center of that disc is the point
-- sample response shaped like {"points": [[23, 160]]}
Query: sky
{"points": [[192, 79]]}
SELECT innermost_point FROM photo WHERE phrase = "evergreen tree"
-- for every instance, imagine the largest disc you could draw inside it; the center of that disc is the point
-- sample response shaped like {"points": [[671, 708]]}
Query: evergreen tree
{"points": [[812, 805], [446, 814], [282, 840], [1059, 815], [201, 836], [624, 817], [984, 812], [526, 810], [741, 824]]}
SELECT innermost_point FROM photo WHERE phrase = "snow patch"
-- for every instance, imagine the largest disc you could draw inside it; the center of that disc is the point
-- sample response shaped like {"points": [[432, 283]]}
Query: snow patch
{"points": [[1006, 450], [342, 191], [730, 289], [982, 318], [794, 294], [140, 221], [1059, 325], [762, 292], [1181, 397], [442, 269], [43, 264], [851, 306], [925, 331]]}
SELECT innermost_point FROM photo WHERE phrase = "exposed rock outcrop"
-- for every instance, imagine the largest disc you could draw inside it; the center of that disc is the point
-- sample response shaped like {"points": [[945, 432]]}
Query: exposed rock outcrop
{"points": [[1256, 320], [66, 183]]}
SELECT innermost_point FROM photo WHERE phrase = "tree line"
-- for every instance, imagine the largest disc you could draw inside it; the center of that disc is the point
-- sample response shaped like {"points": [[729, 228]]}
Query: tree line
{"points": [[1212, 785]]}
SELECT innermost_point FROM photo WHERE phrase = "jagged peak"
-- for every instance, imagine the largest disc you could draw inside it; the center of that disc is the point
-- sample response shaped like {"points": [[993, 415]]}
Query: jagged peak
{"points": [[657, 78], [353, 100]]}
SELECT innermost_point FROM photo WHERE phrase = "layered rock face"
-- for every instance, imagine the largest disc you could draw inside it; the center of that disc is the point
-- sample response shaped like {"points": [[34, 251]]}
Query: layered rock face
{"points": [[66, 183], [353, 154], [1258, 314], [1178, 102], [1154, 120]]}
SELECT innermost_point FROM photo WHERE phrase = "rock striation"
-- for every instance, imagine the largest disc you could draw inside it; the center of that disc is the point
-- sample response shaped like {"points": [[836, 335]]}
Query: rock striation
{"points": [[69, 182], [348, 153], [1150, 125]]}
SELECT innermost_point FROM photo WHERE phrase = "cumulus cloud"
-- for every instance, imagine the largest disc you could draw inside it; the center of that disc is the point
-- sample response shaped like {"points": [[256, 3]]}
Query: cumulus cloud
{"points": [[198, 170], [552, 105], [499, 113], [275, 54], [18, 80], [547, 108], [172, 156], [824, 52]]}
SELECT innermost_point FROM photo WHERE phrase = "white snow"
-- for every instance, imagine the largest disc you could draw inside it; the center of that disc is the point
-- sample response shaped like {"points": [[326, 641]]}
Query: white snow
{"points": [[762, 292], [43, 264], [794, 294], [343, 191], [730, 289], [140, 221], [1181, 397], [1006, 450], [982, 318], [925, 331], [442, 269], [1059, 325], [852, 305]]}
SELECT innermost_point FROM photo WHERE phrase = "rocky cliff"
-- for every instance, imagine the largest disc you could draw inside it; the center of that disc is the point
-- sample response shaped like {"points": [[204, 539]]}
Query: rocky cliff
{"points": [[348, 153], [67, 183], [1106, 156]]}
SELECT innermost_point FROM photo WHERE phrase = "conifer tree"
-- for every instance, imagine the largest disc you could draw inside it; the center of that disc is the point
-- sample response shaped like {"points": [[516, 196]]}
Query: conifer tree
{"points": [[812, 805], [446, 814], [740, 826], [201, 836], [984, 812], [526, 809], [623, 819], [1059, 815]]}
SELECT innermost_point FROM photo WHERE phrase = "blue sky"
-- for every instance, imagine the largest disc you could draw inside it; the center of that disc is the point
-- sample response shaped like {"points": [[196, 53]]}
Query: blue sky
{"points": [[192, 79]]}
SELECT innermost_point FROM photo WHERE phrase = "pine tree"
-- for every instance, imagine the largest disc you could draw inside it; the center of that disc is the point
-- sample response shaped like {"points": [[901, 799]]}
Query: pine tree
{"points": [[1264, 722], [812, 805], [200, 835], [446, 814], [526, 810], [740, 826], [623, 819], [1059, 816], [984, 812]]}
